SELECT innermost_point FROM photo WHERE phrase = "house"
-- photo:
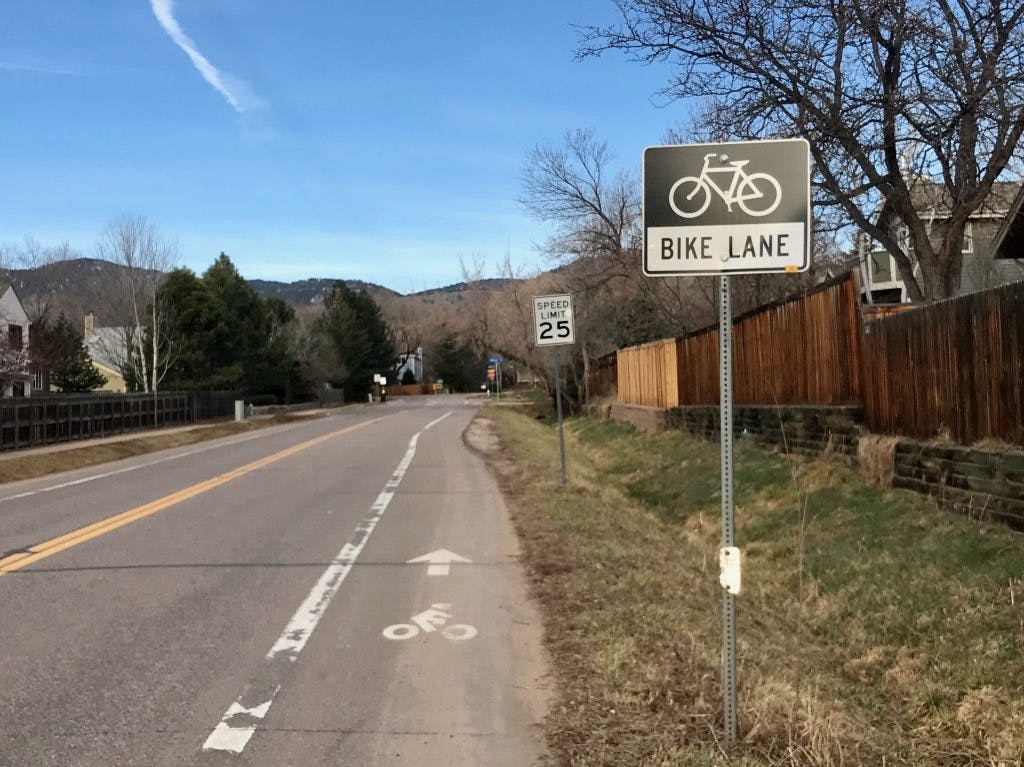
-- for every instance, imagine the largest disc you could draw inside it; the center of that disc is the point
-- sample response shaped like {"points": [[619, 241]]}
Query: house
{"points": [[15, 378], [106, 346], [984, 263], [526, 378], [410, 361]]}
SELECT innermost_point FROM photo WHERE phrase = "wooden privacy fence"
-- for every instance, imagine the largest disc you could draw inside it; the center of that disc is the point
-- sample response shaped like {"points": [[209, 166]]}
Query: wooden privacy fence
{"points": [[30, 421], [603, 379], [803, 351], [956, 365], [648, 374]]}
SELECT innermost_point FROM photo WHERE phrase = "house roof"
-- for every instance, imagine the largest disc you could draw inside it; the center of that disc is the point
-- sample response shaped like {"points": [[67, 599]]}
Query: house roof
{"points": [[106, 343], [934, 199], [1009, 238]]}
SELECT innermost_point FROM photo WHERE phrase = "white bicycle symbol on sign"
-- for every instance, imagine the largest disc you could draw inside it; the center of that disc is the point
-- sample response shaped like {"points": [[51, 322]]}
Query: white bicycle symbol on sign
{"points": [[758, 194]]}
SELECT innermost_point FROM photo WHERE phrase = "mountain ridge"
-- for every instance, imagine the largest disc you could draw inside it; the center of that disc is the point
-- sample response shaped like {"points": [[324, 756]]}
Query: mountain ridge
{"points": [[78, 286]]}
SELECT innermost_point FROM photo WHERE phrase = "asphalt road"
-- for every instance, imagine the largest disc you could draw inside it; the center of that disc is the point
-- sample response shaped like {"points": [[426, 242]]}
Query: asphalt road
{"points": [[249, 601]]}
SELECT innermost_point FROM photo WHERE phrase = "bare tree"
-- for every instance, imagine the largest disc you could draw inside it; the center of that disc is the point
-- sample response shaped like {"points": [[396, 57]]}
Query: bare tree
{"points": [[142, 347], [598, 242], [13, 366], [23, 266], [30, 255], [317, 354], [571, 185], [891, 94]]}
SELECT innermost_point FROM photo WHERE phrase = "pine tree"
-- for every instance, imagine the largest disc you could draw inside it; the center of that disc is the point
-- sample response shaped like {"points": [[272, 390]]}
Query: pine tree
{"points": [[357, 330], [66, 356]]}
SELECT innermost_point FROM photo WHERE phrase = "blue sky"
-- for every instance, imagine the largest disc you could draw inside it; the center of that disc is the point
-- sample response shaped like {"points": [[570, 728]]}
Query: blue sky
{"points": [[306, 138]]}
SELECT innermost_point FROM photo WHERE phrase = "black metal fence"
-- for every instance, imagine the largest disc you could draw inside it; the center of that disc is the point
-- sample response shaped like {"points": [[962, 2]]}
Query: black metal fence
{"points": [[214, 404], [31, 421]]}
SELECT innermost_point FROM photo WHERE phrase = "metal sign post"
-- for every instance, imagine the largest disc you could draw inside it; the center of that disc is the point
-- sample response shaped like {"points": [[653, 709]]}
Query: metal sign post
{"points": [[721, 209], [553, 326], [558, 406], [728, 511], [496, 363]]}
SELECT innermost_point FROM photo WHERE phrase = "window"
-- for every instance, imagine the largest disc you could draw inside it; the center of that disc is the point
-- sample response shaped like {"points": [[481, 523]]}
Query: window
{"points": [[14, 337], [968, 243], [881, 266]]}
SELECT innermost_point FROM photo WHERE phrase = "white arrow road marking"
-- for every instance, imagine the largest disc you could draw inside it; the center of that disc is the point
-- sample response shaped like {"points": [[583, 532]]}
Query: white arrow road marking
{"points": [[233, 737], [439, 561]]}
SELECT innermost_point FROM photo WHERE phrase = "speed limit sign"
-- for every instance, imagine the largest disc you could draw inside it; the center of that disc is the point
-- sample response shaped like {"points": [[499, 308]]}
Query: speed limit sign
{"points": [[552, 320]]}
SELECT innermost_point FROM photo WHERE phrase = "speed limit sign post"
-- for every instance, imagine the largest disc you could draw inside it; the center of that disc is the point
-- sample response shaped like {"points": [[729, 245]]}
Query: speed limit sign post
{"points": [[553, 326]]}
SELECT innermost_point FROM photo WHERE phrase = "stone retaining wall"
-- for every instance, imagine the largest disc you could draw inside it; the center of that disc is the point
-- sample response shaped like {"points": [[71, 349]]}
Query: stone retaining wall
{"points": [[806, 430], [647, 419], [983, 484]]}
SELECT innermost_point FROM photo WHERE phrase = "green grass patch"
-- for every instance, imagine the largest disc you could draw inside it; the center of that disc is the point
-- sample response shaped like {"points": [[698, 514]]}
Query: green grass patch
{"points": [[874, 628]]}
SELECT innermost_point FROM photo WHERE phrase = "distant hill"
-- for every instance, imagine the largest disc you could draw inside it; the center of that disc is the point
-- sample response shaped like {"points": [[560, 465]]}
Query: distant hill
{"points": [[458, 287], [311, 292], [81, 285], [74, 287]]}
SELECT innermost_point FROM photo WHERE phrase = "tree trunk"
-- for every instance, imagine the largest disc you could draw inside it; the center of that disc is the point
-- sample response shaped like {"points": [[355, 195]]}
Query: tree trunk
{"points": [[586, 373]]}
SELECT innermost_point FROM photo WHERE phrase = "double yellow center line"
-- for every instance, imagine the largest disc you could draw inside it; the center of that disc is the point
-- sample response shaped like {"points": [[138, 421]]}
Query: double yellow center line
{"points": [[48, 548]]}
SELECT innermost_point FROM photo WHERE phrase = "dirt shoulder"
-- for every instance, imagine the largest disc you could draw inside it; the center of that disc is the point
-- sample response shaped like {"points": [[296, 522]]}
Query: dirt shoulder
{"points": [[874, 628]]}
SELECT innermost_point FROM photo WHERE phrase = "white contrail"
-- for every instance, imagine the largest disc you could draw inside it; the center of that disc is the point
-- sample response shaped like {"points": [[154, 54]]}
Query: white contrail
{"points": [[45, 67], [228, 87]]}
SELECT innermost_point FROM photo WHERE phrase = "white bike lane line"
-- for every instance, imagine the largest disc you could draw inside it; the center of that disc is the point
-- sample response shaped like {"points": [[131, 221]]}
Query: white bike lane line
{"points": [[244, 715]]}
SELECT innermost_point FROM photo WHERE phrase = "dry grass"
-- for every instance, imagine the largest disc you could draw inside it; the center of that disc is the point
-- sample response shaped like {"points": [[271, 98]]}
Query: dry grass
{"points": [[874, 630], [876, 456], [41, 463]]}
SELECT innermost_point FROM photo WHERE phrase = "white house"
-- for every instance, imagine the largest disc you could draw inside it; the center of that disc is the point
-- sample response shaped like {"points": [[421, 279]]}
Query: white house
{"points": [[410, 361], [15, 378]]}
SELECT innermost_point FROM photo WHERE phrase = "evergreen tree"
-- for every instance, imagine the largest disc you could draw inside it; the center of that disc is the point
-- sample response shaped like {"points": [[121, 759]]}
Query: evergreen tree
{"points": [[455, 362], [66, 356], [364, 344], [230, 337], [190, 309]]}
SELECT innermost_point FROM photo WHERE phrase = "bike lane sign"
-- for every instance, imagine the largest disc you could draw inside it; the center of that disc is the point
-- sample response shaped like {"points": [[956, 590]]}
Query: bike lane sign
{"points": [[735, 208]]}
